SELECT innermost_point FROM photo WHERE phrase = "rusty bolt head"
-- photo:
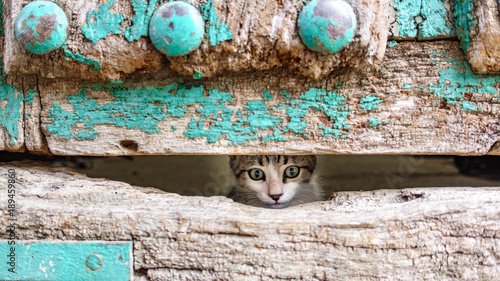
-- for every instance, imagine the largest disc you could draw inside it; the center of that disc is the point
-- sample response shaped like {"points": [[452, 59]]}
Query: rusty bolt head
{"points": [[326, 26], [41, 27]]}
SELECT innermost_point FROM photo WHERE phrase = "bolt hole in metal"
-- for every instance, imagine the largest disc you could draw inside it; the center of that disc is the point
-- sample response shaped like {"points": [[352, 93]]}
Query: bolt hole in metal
{"points": [[93, 262], [129, 145]]}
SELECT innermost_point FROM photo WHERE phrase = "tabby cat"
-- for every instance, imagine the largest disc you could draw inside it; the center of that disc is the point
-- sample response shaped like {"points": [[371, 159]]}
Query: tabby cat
{"points": [[274, 181]]}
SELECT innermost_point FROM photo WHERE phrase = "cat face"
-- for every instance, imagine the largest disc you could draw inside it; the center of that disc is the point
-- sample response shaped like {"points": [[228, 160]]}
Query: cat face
{"points": [[273, 181]]}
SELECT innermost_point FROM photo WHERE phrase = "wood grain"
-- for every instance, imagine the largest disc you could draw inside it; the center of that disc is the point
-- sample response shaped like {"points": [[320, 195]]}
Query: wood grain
{"points": [[423, 99], [483, 53], [422, 233], [264, 36]]}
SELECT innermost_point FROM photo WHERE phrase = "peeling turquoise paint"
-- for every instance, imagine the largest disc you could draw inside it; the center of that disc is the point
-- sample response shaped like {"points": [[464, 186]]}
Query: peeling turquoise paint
{"points": [[59, 261], [467, 105], [2, 32], [275, 137], [266, 95], [406, 86], [454, 83], [370, 102], [433, 21], [258, 116], [129, 110], [174, 128], [144, 108], [393, 44], [331, 103], [216, 30], [374, 122], [241, 131], [464, 21], [30, 94], [285, 94], [101, 23], [80, 58], [435, 14], [407, 11], [198, 75], [143, 10], [10, 115]]}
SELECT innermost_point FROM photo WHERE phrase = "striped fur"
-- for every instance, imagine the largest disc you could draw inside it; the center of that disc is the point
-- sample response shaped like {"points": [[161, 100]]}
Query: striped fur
{"points": [[302, 189]]}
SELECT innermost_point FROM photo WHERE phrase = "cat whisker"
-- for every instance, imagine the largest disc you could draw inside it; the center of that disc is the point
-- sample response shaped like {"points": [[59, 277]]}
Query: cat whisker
{"points": [[274, 174]]}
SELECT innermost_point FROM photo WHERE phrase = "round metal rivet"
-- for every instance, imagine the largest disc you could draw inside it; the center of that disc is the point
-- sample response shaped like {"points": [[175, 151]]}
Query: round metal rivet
{"points": [[41, 27], [93, 262], [176, 28], [326, 26]]}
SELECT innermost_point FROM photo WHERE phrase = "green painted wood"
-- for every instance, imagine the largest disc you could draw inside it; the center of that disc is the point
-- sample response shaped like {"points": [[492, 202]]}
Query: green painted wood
{"points": [[65, 260]]}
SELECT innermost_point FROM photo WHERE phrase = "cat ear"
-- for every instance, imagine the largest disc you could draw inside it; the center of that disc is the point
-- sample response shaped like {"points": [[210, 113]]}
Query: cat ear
{"points": [[311, 161], [232, 160]]}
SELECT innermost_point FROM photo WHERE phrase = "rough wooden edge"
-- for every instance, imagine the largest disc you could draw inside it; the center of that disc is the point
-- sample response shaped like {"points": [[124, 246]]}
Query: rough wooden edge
{"points": [[34, 141], [11, 105], [479, 24], [432, 233], [424, 99], [241, 35]]}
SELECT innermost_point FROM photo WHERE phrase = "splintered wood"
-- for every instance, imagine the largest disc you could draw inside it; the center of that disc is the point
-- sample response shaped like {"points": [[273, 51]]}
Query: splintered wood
{"points": [[253, 87], [432, 233], [423, 99], [108, 41]]}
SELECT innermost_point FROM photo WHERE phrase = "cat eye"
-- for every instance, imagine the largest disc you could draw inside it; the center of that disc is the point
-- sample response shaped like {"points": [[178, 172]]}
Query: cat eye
{"points": [[292, 172], [256, 174]]}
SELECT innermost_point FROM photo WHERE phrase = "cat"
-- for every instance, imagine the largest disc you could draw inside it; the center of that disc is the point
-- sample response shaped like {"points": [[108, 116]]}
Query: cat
{"points": [[275, 181]]}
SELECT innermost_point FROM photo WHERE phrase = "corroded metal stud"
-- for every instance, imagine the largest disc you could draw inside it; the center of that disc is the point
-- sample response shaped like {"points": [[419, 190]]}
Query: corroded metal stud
{"points": [[326, 26], [41, 27], [176, 28], [93, 262]]}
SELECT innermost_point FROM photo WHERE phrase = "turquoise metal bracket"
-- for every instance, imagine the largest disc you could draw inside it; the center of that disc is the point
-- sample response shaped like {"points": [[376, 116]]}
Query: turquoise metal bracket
{"points": [[65, 260]]}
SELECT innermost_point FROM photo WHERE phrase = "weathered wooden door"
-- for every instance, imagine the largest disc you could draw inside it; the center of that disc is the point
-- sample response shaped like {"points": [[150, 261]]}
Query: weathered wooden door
{"points": [[114, 78]]}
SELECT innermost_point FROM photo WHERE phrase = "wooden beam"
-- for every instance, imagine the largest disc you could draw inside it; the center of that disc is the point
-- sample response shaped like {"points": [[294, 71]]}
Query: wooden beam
{"points": [[423, 99], [478, 26], [433, 233], [108, 41]]}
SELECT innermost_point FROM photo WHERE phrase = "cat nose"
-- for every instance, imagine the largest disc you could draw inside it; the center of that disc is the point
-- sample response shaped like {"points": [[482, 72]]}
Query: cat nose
{"points": [[275, 197]]}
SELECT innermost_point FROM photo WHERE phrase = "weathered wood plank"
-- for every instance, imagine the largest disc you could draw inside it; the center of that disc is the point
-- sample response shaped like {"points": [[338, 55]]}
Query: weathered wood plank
{"points": [[34, 138], [11, 105], [242, 35], [478, 26], [423, 99], [11, 114], [432, 233]]}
